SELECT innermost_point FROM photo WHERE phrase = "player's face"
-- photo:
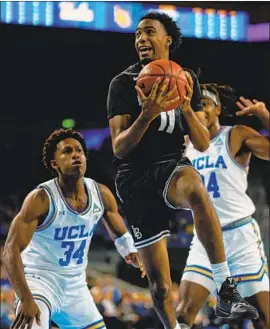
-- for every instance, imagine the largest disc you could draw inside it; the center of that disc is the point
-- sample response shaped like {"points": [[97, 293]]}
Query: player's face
{"points": [[211, 111], [69, 158], [151, 41]]}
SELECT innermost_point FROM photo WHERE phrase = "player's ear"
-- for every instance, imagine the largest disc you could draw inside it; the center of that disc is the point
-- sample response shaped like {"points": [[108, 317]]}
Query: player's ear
{"points": [[218, 110], [168, 41], [53, 164]]}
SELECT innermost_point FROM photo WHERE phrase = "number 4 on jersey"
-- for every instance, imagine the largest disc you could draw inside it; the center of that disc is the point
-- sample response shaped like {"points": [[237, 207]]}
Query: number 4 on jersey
{"points": [[212, 185]]}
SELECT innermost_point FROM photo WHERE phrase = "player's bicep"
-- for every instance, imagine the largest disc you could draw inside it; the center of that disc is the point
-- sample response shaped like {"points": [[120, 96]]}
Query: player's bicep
{"points": [[23, 226], [118, 124], [21, 232], [259, 146]]}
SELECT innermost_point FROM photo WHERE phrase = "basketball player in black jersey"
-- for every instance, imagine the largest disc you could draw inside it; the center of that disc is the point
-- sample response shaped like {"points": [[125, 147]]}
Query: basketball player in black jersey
{"points": [[154, 178]]}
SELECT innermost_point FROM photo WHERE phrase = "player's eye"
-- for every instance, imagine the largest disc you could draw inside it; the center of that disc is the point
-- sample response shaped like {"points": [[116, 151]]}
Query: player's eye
{"points": [[138, 34], [150, 32], [66, 151]]}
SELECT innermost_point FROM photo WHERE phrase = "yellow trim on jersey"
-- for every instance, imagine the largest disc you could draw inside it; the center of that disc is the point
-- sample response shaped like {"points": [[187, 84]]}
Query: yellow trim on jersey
{"points": [[97, 326], [254, 276], [199, 269]]}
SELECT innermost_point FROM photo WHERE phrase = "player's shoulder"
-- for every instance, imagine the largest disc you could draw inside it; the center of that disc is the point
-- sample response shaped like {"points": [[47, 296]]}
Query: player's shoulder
{"points": [[129, 74], [243, 131], [36, 202]]}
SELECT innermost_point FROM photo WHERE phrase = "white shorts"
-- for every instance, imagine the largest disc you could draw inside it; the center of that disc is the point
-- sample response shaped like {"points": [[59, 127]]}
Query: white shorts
{"points": [[64, 299], [245, 255]]}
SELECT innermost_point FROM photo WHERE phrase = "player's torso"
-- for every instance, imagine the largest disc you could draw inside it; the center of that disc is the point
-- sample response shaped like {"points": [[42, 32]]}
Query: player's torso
{"points": [[224, 178], [165, 134], [62, 241]]}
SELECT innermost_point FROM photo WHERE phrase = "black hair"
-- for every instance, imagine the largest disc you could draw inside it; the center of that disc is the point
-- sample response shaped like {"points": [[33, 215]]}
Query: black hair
{"points": [[170, 26], [51, 142], [226, 97]]}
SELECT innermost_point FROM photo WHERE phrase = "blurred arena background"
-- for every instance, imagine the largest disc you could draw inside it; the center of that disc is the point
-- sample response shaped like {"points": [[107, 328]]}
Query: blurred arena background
{"points": [[57, 59]]}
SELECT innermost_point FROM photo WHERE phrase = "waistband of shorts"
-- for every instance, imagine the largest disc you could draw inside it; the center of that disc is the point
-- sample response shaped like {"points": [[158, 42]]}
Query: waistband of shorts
{"points": [[237, 223], [146, 164]]}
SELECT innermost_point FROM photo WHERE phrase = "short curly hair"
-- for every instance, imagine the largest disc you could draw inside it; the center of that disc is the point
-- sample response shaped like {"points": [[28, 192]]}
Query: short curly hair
{"points": [[51, 142], [226, 96], [170, 26]]}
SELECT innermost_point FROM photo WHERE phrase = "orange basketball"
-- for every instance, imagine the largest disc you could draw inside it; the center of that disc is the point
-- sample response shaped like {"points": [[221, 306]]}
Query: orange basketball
{"points": [[165, 69]]}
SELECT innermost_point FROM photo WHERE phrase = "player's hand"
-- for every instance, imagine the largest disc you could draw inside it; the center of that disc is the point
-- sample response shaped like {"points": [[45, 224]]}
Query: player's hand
{"points": [[134, 259], [249, 108], [186, 107], [27, 313], [158, 99]]}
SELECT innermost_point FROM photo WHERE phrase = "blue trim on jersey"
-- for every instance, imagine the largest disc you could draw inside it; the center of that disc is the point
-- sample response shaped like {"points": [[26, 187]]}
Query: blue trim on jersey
{"points": [[199, 270], [227, 144], [237, 224], [51, 216], [89, 199], [218, 133]]}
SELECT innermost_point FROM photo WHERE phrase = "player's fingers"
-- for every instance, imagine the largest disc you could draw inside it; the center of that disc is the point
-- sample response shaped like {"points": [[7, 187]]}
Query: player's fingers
{"points": [[38, 318], [17, 319], [140, 93], [155, 88], [162, 90], [245, 101], [245, 111], [189, 79], [26, 320], [170, 93], [19, 322], [171, 102], [30, 324], [240, 105], [255, 101]]}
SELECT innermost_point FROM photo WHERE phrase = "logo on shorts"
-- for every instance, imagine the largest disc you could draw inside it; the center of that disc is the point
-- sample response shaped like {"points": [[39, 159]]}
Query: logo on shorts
{"points": [[136, 232]]}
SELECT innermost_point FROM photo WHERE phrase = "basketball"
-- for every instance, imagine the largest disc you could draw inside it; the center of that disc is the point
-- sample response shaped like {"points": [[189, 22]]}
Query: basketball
{"points": [[164, 69]]}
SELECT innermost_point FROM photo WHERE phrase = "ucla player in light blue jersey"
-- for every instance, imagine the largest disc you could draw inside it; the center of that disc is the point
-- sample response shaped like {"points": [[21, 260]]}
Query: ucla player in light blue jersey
{"points": [[224, 169], [46, 251]]}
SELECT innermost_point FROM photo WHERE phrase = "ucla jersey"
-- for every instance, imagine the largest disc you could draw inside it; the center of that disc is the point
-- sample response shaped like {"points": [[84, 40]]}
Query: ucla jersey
{"points": [[62, 241], [224, 178]]}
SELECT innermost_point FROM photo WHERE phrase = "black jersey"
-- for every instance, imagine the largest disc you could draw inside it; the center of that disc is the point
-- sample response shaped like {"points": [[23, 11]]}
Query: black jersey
{"points": [[165, 134]]}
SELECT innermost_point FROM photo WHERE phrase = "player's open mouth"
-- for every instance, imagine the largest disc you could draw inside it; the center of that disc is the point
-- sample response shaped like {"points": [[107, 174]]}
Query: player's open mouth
{"points": [[76, 163], [144, 51]]}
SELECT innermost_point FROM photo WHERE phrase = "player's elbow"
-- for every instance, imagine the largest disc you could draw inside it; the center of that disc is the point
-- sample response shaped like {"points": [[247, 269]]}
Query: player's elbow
{"points": [[201, 147]]}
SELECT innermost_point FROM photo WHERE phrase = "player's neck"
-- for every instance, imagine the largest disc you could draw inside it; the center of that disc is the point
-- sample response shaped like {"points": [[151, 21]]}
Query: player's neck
{"points": [[214, 130], [71, 187]]}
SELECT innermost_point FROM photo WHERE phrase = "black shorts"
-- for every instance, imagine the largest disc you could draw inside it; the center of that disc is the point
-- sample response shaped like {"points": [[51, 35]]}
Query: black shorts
{"points": [[142, 192]]}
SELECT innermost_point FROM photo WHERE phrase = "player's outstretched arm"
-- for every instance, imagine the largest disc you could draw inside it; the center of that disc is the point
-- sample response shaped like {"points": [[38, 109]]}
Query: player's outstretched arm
{"points": [[117, 230], [34, 209], [255, 107], [198, 133], [249, 140]]}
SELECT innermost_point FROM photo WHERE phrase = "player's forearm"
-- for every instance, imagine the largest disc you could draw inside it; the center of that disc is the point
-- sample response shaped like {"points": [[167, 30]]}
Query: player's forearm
{"points": [[13, 265], [198, 133], [264, 117], [128, 139], [115, 227]]}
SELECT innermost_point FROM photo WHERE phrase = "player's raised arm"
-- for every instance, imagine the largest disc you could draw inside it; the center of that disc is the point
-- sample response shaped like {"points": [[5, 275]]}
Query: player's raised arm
{"points": [[118, 231], [247, 139], [33, 211], [198, 133]]}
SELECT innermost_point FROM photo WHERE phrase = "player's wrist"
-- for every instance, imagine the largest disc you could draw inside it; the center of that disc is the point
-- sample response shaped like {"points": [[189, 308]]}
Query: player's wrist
{"points": [[125, 244]]}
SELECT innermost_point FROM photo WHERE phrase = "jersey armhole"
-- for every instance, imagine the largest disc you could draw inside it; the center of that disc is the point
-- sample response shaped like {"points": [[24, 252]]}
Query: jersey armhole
{"points": [[100, 198], [228, 148], [52, 210]]}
